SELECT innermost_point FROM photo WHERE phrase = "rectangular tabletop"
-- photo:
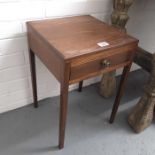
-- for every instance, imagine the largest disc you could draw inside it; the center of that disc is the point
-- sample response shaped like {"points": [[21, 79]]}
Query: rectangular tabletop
{"points": [[75, 36]]}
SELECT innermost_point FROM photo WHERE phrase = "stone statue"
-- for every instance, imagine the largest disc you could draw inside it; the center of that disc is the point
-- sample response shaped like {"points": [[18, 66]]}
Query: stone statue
{"points": [[119, 16], [142, 114], [119, 19]]}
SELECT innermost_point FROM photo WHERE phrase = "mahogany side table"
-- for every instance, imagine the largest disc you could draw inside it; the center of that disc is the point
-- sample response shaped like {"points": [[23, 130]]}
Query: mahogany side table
{"points": [[77, 48]]}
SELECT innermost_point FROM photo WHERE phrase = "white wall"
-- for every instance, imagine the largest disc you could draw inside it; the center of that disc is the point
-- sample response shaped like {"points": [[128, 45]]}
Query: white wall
{"points": [[15, 86], [142, 23]]}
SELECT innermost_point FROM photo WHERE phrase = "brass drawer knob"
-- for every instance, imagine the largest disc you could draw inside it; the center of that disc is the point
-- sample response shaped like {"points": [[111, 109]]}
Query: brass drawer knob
{"points": [[106, 63]]}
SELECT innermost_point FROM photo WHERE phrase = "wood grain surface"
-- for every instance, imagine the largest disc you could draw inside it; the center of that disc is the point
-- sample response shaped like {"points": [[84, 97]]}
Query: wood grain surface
{"points": [[76, 36]]}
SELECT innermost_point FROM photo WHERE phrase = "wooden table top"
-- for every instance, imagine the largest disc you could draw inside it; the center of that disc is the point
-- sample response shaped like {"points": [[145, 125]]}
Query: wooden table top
{"points": [[71, 37]]}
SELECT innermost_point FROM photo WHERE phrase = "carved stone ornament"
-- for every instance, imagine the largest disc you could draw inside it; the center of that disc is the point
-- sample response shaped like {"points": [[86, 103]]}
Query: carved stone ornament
{"points": [[119, 19], [119, 16], [142, 114]]}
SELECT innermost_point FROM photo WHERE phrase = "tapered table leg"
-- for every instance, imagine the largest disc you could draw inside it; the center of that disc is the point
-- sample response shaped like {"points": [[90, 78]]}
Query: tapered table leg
{"points": [[80, 86], [63, 104], [120, 92], [63, 114], [33, 77]]}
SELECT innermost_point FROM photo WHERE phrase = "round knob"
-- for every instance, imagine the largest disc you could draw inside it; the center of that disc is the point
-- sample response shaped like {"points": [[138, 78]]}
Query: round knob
{"points": [[106, 63]]}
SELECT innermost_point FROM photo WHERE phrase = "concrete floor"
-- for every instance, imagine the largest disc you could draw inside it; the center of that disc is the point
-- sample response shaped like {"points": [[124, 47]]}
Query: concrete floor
{"points": [[29, 131]]}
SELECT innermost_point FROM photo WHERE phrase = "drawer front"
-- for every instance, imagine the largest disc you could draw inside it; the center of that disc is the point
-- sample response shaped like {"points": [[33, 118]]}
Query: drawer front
{"points": [[95, 67]]}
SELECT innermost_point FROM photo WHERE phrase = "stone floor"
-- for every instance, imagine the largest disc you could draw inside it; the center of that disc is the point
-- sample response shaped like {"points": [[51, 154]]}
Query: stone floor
{"points": [[29, 131]]}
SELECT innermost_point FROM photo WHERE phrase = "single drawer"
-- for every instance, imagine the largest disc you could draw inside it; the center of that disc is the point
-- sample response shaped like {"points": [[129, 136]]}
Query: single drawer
{"points": [[95, 67]]}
